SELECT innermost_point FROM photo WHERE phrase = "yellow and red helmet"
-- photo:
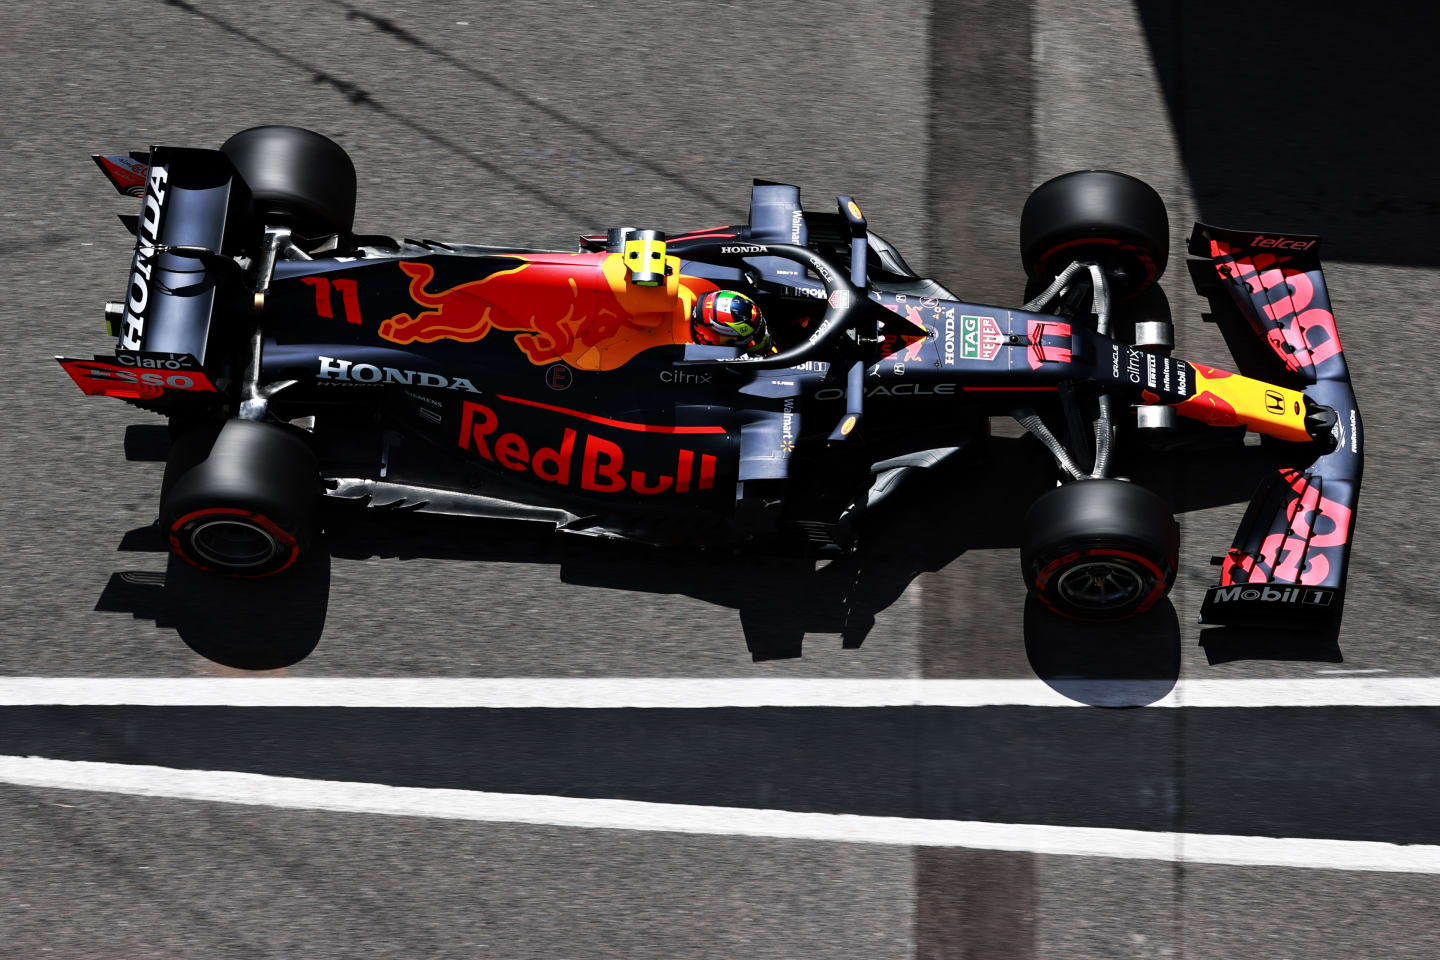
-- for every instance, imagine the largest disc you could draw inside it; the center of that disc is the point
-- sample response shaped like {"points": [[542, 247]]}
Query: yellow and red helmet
{"points": [[724, 318]]}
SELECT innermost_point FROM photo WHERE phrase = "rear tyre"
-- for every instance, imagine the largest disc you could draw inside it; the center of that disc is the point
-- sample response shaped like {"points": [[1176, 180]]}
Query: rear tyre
{"points": [[1100, 549], [297, 178], [239, 498], [1110, 218]]}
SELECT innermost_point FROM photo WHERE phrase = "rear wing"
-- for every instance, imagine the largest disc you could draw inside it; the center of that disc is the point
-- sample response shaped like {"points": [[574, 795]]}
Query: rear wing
{"points": [[162, 325], [1290, 556], [187, 197]]}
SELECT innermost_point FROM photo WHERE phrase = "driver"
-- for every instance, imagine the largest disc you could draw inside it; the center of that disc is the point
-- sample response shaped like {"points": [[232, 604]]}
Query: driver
{"points": [[724, 318]]}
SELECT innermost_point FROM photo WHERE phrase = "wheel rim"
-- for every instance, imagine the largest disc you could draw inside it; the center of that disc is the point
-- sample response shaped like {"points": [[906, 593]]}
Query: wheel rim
{"points": [[234, 543], [1100, 585]]}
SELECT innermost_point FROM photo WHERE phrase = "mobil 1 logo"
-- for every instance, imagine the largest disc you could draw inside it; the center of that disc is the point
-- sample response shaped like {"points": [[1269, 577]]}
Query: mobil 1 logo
{"points": [[1273, 594]]}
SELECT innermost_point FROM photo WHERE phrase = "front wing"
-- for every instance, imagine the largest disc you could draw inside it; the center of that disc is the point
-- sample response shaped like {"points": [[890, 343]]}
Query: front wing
{"points": [[1290, 556]]}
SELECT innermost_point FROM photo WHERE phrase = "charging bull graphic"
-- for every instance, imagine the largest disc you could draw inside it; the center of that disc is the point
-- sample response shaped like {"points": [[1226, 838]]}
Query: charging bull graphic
{"points": [[1209, 405], [580, 308], [911, 346]]}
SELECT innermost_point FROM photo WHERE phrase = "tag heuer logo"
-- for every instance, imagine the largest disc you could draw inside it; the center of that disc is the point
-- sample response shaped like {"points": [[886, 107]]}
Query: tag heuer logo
{"points": [[980, 338]]}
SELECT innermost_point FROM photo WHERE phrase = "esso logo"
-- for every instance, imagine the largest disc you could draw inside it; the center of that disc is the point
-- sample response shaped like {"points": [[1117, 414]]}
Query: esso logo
{"points": [[170, 381]]}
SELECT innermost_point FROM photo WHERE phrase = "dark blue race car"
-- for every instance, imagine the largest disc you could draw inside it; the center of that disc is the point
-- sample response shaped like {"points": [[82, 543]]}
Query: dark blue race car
{"points": [[297, 360]]}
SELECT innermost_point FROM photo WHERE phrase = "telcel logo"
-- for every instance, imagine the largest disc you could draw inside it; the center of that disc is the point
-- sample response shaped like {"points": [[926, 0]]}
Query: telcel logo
{"points": [[1281, 243]]}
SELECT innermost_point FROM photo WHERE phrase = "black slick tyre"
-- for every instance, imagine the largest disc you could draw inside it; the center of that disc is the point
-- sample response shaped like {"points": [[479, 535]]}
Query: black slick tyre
{"points": [[239, 498], [297, 178], [1102, 216], [1100, 549]]}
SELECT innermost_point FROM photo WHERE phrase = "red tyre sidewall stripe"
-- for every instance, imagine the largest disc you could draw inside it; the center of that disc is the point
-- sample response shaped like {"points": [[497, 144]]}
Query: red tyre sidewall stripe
{"points": [[1143, 256], [270, 526], [1149, 601]]}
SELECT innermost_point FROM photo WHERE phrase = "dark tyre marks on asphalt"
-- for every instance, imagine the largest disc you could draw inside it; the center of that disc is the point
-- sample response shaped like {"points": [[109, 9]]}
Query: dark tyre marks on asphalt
{"points": [[979, 173]]}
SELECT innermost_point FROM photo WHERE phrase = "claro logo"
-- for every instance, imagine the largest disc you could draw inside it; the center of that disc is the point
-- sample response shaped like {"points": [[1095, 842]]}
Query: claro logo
{"points": [[597, 465], [137, 301], [160, 362]]}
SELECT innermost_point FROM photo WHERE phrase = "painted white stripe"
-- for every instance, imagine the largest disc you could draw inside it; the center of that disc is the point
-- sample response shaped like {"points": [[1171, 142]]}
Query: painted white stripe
{"points": [[683, 692], [258, 790]]}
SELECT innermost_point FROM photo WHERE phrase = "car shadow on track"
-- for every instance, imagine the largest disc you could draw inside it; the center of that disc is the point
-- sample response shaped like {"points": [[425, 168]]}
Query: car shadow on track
{"points": [[1128, 664], [1228, 644], [1323, 159], [932, 520], [236, 623], [927, 523]]}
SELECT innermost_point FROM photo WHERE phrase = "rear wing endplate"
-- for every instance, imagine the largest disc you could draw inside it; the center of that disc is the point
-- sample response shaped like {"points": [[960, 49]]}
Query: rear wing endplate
{"points": [[186, 200]]}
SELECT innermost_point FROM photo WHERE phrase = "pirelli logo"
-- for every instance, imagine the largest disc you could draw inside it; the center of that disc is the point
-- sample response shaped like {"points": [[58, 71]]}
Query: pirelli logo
{"points": [[1244, 593]]}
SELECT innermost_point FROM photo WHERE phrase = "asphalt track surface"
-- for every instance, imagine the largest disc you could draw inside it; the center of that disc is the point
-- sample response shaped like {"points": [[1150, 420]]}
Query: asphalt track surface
{"points": [[532, 123]]}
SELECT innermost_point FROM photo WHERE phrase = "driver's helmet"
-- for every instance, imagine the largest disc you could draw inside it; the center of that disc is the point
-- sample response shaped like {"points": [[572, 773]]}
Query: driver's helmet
{"points": [[723, 318]]}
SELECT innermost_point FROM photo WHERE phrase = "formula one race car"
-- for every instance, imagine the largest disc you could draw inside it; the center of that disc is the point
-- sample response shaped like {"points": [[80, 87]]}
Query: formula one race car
{"points": [[296, 359]]}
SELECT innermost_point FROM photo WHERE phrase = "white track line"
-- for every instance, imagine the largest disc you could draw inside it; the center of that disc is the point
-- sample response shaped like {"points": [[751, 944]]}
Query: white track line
{"points": [[699, 693], [258, 790]]}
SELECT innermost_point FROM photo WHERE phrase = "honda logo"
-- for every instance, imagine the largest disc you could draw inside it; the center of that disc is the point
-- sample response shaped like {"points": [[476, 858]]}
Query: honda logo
{"points": [[1274, 403]]}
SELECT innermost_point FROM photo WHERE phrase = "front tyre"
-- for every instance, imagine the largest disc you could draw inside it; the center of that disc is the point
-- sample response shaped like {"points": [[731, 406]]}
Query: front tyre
{"points": [[1100, 549], [1111, 218], [240, 500]]}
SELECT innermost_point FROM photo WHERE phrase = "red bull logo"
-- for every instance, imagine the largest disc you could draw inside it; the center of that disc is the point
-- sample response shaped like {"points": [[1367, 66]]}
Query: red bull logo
{"points": [[582, 309], [1316, 527], [587, 461], [1304, 334]]}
